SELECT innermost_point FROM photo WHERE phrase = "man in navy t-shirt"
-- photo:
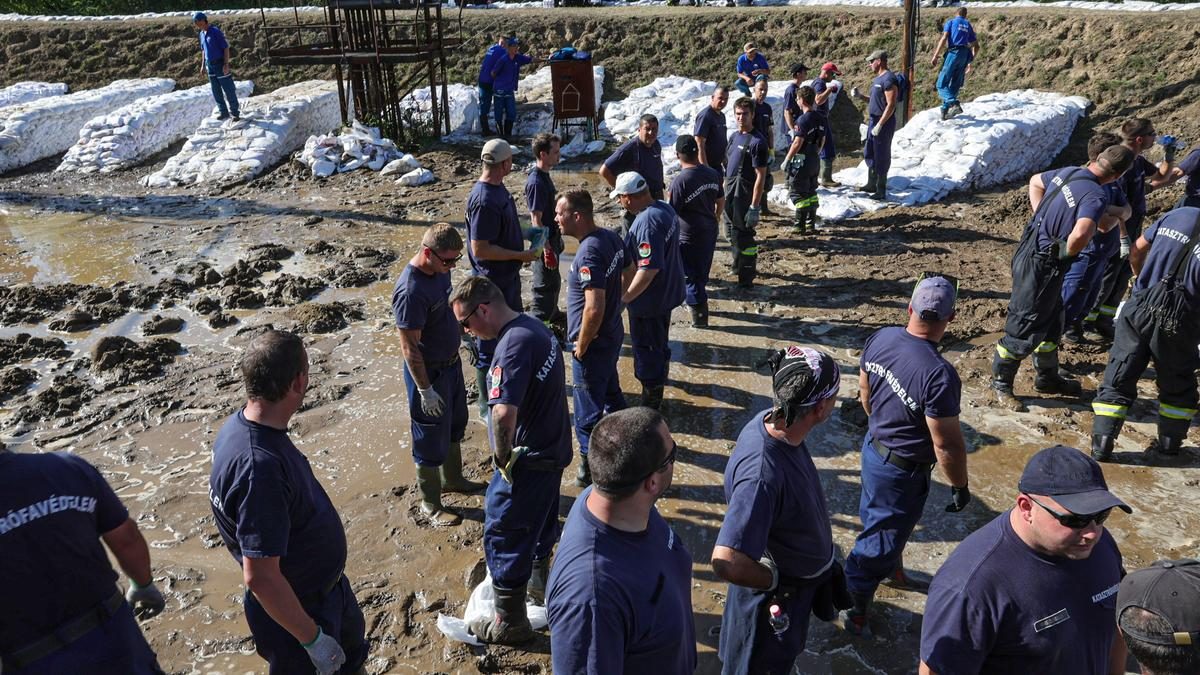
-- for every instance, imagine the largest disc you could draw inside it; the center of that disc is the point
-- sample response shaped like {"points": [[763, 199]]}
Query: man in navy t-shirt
{"points": [[775, 546], [531, 444], [495, 242], [710, 131], [653, 282], [746, 168], [62, 611], [594, 328], [750, 65], [961, 45], [215, 64], [826, 89], [800, 163], [791, 107], [1190, 167], [1068, 205], [437, 399], [1034, 590], [487, 81], [540, 194], [643, 155], [698, 198], [882, 103], [911, 395], [764, 117], [1143, 333], [278, 522], [620, 598]]}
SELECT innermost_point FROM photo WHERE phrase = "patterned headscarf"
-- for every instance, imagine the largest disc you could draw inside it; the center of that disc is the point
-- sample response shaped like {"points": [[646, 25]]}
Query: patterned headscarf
{"points": [[812, 375]]}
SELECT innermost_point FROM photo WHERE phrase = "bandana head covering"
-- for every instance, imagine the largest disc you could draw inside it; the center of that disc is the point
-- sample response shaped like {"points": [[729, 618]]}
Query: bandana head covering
{"points": [[804, 375]]}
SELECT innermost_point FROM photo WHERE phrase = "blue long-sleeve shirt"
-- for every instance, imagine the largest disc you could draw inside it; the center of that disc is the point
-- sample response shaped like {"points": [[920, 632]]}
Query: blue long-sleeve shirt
{"points": [[507, 70]]}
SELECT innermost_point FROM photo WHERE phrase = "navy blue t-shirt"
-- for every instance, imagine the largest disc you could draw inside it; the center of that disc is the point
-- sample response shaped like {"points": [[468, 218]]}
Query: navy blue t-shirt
{"points": [[540, 195], [776, 503], [508, 71], [490, 58], [527, 372], [1083, 198], [268, 504], [1190, 166], [1105, 244], [1133, 185], [694, 195], [633, 155], [753, 147], [213, 44], [811, 127], [789, 101], [818, 85], [53, 509], [492, 217], [598, 264], [961, 32], [997, 606], [1167, 236], [653, 244], [909, 381], [710, 125], [422, 302], [879, 86], [763, 119], [620, 602]]}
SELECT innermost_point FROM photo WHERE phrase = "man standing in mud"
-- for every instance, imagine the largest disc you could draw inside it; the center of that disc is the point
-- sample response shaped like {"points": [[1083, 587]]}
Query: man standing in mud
{"points": [[495, 244], [215, 64], [642, 154], [881, 124], [746, 166], [710, 131], [911, 394], [437, 402], [1068, 205], [531, 445], [826, 89], [699, 201], [278, 522], [539, 198]]}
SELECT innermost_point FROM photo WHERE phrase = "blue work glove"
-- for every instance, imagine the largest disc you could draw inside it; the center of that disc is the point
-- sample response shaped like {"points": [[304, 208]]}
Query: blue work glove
{"points": [[325, 653], [147, 601], [431, 402], [1167, 141], [959, 498], [752, 216]]}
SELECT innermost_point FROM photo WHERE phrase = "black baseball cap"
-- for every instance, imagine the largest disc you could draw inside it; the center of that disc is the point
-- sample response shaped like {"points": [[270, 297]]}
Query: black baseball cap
{"points": [[1170, 589], [1072, 478], [798, 68], [686, 144]]}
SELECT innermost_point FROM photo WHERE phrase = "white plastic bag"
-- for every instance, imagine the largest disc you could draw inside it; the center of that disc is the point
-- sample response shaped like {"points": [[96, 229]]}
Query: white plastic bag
{"points": [[482, 604]]}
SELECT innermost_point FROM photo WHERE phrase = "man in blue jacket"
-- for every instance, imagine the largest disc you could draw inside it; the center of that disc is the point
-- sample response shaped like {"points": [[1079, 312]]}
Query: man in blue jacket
{"points": [[505, 72], [486, 82], [214, 62]]}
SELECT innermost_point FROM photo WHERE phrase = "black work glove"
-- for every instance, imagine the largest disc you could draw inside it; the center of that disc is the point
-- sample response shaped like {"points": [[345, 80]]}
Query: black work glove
{"points": [[959, 497]]}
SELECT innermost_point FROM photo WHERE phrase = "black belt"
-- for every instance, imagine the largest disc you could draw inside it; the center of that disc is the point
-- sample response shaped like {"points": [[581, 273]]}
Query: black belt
{"points": [[65, 634], [438, 365], [319, 596], [903, 464]]}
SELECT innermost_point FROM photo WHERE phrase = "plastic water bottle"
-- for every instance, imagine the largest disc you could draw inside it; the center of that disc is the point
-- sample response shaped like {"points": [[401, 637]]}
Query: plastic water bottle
{"points": [[779, 620]]}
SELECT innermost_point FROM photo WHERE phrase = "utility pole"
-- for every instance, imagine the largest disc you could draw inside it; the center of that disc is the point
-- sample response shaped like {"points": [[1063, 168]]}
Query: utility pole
{"points": [[908, 53]]}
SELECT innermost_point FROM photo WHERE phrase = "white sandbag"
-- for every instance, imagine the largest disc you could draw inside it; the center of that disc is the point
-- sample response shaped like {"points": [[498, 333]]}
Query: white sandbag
{"points": [[404, 164], [356, 147], [482, 604], [24, 92], [416, 177]]}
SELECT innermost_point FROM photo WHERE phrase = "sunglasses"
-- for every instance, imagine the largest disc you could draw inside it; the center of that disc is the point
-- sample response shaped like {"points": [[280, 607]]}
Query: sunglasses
{"points": [[1075, 521], [467, 319], [447, 263]]}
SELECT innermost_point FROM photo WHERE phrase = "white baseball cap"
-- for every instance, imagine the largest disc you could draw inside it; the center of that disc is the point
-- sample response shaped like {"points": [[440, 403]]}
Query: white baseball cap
{"points": [[629, 183]]}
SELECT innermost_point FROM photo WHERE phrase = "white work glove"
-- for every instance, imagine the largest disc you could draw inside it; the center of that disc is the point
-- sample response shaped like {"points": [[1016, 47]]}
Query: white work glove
{"points": [[431, 402], [876, 129], [752, 216], [1126, 246], [766, 562], [325, 653], [147, 601], [505, 465], [855, 92]]}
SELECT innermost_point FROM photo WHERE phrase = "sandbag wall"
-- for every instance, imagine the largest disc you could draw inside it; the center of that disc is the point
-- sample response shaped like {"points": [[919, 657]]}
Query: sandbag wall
{"points": [[24, 92]]}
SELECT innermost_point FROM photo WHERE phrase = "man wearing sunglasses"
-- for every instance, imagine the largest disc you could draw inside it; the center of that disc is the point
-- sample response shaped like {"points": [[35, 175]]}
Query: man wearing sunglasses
{"points": [[620, 597], [775, 546], [531, 445], [437, 399], [911, 394], [1035, 590]]}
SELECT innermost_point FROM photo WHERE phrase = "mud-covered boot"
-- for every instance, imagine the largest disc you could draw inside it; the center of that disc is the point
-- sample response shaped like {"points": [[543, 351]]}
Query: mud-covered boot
{"points": [[508, 130], [800, 219], [537, 580], [854, 620], [1049, 379], [880, 193], [1004, 374], [452, 475], [652, 397], [826, 179], [1102, 447], [813, 221], [1103, 328], [583, 475], [697, 319], [1074, 333], [483, 126], [510, 624], [869, 188], [481, 387], [429, 484]]}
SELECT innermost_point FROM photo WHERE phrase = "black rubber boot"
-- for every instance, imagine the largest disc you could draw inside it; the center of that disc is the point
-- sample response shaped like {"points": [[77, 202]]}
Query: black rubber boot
{"points": [[827, 174], [537, 581], [1074, 333], [429, 484], [652, 397], [1004, 374], [1171, 435], [483, 126], [452, 475], [1102, 447], [854, 620], [1049, 379], [700, 318], [1169, 445], [812, 220], [510, 624], [869, 188], [880, 192], [583, 476], [508, 127]]}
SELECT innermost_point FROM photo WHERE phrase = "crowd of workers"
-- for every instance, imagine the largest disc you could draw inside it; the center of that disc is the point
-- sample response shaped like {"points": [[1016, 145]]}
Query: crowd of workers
{"points": [[1041, 588]]}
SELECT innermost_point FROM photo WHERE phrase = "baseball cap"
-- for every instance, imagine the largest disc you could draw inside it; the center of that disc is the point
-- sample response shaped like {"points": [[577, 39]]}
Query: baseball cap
{"points": [[1118, 158], [199, 16], [1170, 589], [628, 183], [877, 54], [686, 144], [749, 47], [1072, 478], [495, 151], [799, 68], [933, 299], [829, 66], [512, 40]]}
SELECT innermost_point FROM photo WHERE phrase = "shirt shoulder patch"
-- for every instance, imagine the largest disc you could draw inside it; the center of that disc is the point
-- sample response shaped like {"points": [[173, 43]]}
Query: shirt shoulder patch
{"points": [[644, 249], [494, 382], [585, 274]]}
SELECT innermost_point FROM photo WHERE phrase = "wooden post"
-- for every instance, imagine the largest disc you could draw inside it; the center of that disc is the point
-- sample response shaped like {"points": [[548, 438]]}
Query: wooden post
{"points": [[908, 55]]}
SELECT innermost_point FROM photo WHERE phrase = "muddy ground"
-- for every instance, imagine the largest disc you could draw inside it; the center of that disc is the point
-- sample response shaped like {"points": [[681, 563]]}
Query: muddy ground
{"points": [[122, 313]]}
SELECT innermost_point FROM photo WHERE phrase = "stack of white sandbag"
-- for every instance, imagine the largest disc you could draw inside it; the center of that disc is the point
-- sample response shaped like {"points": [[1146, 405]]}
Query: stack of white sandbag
{"points": [[131, 134], [998, 138], [833, 204], [24, 92], [356, 147], [47, 126], [464, 107], [273, 126]]}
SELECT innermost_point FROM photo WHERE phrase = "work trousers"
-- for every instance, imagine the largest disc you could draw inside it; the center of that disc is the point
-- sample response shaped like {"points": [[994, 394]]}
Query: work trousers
{"points": [[829, 150], [338, 615], [877, 151], [597, 389], [485, 100], [432, 436], [1137, 340], [954, 71], [505, 103], [115, 647], [649, 336], [748, 643], [742, 244], [889, 507], [1115, 281], [1035, 307], [697, 255], [547, 282], [520, 522], [1082, 284], [223, 90]]}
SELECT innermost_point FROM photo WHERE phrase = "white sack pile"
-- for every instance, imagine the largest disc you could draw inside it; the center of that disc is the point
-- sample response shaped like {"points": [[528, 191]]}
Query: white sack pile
{"points": [[834, 204], [998, 138], [464, 107], [131, 134], [273, 126], [24, 92], [354, 148], [47, 126], [1116, 5]]}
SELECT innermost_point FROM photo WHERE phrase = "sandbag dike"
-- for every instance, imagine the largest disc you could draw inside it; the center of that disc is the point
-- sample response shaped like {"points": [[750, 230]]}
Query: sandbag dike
{"points": [[47, 126], [24, 92], [272, 126], [1125, 63], [131, 134]]}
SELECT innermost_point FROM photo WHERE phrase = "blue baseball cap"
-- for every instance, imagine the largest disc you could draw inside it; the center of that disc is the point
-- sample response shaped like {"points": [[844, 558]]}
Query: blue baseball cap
{"points": [[1072, 478], [199, 16], [933, 299]]}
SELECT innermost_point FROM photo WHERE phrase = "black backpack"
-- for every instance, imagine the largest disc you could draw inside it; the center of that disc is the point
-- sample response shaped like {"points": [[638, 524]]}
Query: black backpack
{"points": [[1167, 301]]}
